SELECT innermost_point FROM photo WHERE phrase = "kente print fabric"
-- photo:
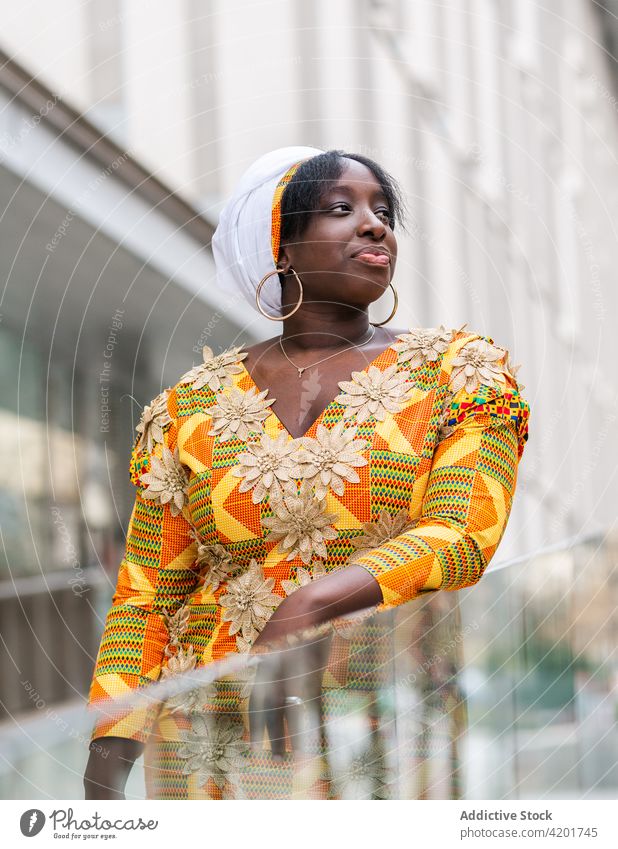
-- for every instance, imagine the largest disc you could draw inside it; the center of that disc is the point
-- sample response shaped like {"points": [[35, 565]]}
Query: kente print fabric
{"points": [[409, 472]]}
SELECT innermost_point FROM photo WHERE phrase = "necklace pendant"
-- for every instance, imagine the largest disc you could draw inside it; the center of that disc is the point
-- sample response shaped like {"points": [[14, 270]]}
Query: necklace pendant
{"points": [[300, 372]]}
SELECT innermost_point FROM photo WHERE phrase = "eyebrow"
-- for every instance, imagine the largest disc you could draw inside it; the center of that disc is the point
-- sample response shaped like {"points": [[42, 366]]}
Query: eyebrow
{"points": [[348, 189]]}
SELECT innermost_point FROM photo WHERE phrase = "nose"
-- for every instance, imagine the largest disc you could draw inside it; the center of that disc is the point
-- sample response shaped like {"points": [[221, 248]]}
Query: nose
{"points": [[371, 224]]}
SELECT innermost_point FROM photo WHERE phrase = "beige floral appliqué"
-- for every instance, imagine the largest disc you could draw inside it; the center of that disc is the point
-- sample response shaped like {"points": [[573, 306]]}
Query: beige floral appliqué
{"points": [[477, 363], [266, 465], [383, 529], [179, 660], [364, 776], [213, 749], [166, 481], [237, 414], [444, 429], [303, 578], [216, 370], [422, 345], [249, 602], [154, 418], [330, 458], [216, 559], [301, 524], [374, 393]]}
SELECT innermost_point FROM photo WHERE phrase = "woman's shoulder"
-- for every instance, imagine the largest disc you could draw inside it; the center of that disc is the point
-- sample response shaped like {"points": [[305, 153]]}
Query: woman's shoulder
{"points": [[196, 389], [422, 344], [468, 357], [198, 384], [477, 376], [441, 332]]}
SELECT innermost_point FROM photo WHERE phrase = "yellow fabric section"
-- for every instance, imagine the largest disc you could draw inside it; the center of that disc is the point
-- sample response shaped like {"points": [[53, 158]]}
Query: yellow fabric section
{"points": [[144, 590], [390, 431], [184, 432], [226, 523], [416, 560]]}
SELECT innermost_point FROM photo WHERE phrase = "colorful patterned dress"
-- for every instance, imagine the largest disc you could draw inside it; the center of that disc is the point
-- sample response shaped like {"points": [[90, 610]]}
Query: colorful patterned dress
{"points": [[410, 472]]}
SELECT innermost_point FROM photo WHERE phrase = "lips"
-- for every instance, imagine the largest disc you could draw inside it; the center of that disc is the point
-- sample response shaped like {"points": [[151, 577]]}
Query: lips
{"points": [[373, 256]]}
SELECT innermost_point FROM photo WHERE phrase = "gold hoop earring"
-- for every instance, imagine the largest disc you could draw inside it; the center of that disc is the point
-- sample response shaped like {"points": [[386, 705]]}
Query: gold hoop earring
{"points": [[259, 289], [394, 310]]}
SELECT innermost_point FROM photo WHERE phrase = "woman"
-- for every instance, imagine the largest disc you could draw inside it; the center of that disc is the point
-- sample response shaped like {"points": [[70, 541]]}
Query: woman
{"points": [[384, 466]]}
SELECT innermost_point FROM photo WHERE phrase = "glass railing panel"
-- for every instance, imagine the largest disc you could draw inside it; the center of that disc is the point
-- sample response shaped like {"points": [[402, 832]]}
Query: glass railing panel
{"points": [[504, 690]]}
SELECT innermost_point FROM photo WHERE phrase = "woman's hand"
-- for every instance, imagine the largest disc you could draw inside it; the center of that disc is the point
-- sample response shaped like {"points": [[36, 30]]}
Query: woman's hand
{"points": [[289, 679], [109, 765], [288, 686]]}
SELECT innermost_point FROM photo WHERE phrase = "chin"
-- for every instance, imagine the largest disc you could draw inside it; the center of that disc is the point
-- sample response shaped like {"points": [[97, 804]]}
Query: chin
{"points": [[363, 298]]}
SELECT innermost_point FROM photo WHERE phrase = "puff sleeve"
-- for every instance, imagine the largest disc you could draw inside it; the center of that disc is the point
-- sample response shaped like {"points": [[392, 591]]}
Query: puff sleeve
{"points": [[155, 576], [471, 481]]}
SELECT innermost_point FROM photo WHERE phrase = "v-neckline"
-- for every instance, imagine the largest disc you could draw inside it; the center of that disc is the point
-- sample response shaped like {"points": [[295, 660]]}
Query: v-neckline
{"points": [[326, 409]]}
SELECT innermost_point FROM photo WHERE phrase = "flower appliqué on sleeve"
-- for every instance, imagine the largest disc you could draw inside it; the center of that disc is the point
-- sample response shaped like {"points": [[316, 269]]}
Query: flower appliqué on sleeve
{"points": [[303, 578], [166, 481], [216, 370], [422, 345], [477, 363], [154, 418]]}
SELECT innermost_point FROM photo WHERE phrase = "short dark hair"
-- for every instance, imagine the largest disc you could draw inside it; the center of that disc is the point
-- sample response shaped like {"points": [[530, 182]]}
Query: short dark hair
{"points": [[315, 176]]}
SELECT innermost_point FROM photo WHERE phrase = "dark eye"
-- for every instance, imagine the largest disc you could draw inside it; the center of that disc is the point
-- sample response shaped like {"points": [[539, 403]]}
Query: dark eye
{"points": [[385, 214], [341, 206]]}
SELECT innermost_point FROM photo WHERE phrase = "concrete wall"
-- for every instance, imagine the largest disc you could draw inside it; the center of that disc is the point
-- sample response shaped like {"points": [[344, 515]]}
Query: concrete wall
{"points": [[499, 118]]}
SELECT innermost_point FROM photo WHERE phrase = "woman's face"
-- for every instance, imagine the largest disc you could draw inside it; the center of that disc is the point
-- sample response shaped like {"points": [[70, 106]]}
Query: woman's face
{"points": [[348, 252]]}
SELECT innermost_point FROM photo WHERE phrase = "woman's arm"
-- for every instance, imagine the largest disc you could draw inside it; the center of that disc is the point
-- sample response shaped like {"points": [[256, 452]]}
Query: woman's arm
{"points": [[155, 577], [109, 765], [467, 502], [334, 595]]}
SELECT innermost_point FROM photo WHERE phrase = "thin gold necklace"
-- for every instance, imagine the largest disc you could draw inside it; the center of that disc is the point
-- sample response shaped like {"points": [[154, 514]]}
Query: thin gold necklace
{"points": [[323, 360]]}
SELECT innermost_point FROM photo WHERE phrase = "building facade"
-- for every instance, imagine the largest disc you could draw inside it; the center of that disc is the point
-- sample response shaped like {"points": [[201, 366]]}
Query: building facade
{"points": [[124, 126]]}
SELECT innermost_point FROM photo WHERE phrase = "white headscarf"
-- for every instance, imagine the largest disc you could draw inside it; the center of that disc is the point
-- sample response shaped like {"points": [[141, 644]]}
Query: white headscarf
{"points": [[241, 244]]}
